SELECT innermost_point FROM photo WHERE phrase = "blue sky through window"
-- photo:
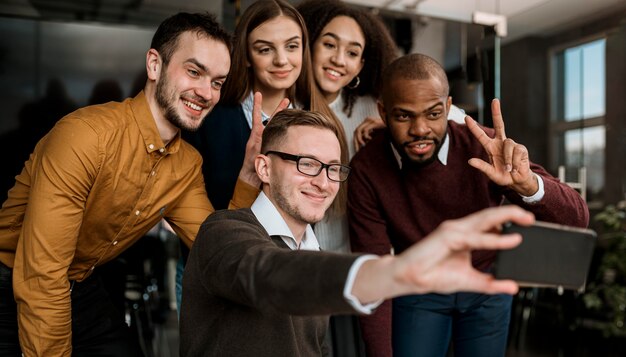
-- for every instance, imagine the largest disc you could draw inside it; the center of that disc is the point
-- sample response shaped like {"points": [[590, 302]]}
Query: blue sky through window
{"points": [[581, 92], [584, 81]]}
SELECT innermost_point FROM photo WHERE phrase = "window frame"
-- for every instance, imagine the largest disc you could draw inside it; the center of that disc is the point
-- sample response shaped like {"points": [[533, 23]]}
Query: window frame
{"points": [[557, 127]]}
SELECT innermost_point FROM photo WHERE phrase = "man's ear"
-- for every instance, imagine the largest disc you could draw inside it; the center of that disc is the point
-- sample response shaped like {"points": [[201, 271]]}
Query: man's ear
{"points": [[381, 111], [262, 166], [448, 104], [153, 64]]}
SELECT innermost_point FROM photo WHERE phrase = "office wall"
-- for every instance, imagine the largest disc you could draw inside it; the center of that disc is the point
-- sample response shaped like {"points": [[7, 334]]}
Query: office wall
{"points": [[50, 68], [525, 95]]}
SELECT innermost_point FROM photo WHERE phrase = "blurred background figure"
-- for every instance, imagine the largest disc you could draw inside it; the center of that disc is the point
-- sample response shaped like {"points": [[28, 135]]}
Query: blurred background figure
{"points": [[106, 90], [35, 119]]}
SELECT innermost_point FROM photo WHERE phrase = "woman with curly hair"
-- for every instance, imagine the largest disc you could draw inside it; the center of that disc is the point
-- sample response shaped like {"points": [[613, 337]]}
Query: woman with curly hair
{"points": [[349, 48]]}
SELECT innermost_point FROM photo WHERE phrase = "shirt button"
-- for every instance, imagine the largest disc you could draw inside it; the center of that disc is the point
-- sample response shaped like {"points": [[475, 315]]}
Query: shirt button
{"points": [[115, 243], [153, 173], [92, 267], [161, 150], [137, 213], [151, 146]]}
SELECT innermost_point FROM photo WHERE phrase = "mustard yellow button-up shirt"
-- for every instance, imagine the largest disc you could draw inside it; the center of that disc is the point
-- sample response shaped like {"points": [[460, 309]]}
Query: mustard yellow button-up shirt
{"points": [[96, 183]]}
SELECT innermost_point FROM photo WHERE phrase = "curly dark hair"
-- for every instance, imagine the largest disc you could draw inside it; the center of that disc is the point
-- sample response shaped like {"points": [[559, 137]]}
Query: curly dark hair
{"points": [[379, 51]]}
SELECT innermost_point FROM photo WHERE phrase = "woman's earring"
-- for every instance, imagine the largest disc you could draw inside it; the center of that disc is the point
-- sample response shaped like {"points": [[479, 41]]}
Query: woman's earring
{"points": [[358, 81]]}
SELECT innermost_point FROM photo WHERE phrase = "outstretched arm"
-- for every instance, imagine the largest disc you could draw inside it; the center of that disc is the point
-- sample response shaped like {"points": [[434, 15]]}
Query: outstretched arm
{"points": [[442, 262]]}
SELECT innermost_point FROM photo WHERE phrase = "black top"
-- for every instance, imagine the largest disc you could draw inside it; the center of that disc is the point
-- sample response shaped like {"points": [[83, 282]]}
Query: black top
{"points": [[221, 140]]}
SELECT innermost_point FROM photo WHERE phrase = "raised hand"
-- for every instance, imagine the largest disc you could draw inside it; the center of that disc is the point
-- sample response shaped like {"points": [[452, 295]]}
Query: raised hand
{"points": [[253, 146], [363, 132], [509, 163]]}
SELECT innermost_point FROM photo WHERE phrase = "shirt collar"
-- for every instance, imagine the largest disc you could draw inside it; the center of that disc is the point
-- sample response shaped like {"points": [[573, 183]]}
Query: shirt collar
{"points": [[148, 128], [274, 224], [247, 105], [442, 156]]}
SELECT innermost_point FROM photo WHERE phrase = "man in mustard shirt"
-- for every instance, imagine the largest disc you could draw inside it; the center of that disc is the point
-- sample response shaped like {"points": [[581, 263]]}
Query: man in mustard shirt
{"points": [[97, 182]]}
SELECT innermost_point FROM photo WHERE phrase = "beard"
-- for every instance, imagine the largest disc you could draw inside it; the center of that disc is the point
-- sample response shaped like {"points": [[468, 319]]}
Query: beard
{"points": [[166, 97], [420, 162], [293, 211]]}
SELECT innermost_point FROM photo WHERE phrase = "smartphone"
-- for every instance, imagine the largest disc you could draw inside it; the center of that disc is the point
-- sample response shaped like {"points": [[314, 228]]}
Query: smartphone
{"points": [[550, 255]]}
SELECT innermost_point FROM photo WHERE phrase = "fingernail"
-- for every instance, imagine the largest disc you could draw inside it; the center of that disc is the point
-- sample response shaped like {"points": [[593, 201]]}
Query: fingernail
{"points": [[509, 168]]}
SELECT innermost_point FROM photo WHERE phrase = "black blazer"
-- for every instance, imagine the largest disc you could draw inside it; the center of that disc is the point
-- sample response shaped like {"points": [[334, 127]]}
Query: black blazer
{"points": [[221, 140]]}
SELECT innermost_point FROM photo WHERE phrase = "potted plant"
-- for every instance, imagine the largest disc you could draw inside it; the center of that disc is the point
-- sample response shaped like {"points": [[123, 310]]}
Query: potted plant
{"points": [[606, 291]]}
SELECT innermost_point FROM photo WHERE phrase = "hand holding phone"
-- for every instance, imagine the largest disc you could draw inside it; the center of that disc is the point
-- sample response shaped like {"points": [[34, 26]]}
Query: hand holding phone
{"points": [[550, 255]]}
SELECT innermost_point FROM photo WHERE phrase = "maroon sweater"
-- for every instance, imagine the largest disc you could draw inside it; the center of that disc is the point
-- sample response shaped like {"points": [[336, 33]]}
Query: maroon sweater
{"points": [[393, 207]]}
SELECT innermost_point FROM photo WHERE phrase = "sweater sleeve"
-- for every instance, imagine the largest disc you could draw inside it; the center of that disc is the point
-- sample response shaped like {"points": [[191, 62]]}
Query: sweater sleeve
{"points": [[237, 261], [560, 204], [368, 233]]}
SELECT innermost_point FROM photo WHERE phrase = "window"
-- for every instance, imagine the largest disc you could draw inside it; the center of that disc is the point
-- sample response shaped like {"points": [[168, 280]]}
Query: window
{"points": [[577, 127]]}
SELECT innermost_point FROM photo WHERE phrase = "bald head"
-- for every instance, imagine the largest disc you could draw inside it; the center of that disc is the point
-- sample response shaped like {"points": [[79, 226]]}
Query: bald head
{"points": [[414, 66], [414, 105]]}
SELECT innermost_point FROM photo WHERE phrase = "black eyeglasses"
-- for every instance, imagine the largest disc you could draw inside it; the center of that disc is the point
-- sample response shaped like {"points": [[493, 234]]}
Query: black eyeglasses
{"points": [[312, 167]]}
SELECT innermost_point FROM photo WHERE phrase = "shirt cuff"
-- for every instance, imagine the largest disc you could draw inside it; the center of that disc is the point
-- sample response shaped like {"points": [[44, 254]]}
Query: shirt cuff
{"points": [[538, 195], [347, 290], [244, 195]]}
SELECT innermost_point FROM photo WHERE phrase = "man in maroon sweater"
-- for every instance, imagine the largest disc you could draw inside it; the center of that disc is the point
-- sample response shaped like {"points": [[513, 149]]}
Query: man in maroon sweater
{"points": [[423, 170], [256, 283]]}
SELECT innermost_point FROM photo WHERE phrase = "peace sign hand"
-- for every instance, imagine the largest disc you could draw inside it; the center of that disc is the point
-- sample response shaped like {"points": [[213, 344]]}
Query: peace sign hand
{"points": [[253, 146], [509, 163]]}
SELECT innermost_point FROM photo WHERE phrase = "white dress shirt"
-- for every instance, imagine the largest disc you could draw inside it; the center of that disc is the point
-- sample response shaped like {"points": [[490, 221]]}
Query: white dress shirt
{"points": [[269, 217]]}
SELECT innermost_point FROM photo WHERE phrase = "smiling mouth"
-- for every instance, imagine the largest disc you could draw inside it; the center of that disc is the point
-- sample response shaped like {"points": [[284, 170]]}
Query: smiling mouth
{"points": [[333, 73], [314, 196], [192, 105], [281, 74]]}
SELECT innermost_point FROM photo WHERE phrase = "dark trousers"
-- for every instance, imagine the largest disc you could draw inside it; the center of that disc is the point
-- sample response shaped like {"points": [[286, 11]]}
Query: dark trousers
{"points": [[9, 343], [97, 329], [477, 324], [344, 337]]}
